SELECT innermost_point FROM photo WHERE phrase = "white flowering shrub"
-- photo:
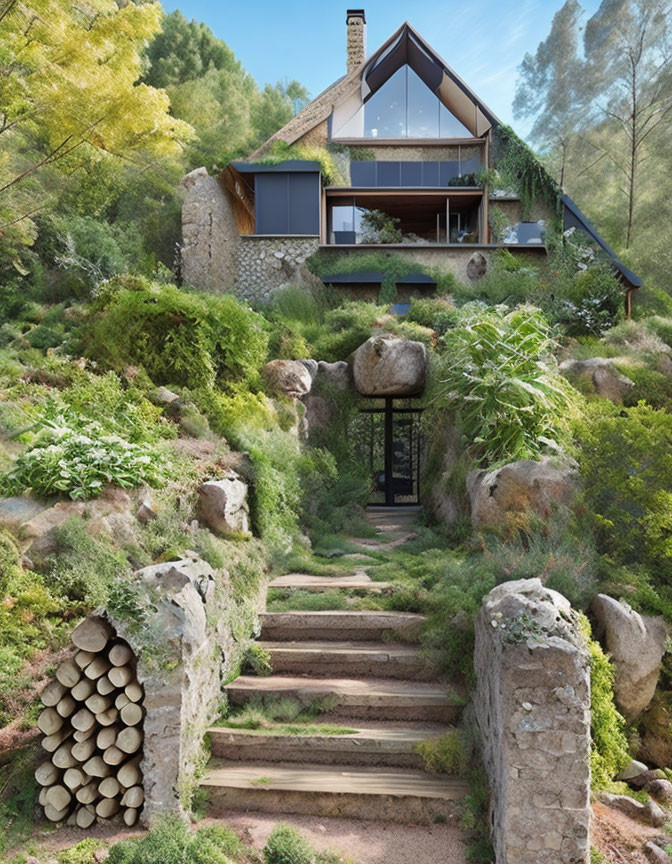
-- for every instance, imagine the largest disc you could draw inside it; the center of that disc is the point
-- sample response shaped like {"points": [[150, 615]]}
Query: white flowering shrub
{"points": [[80, 462]]}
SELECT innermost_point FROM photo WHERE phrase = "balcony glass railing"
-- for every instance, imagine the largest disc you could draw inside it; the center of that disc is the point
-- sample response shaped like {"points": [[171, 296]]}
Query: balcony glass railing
{"points": [[370, 174]]}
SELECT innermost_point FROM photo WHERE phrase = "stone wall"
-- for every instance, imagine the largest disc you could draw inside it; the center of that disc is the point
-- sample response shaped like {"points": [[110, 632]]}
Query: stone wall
{"points": [[182, 624], [264, 264], [532, 705], [209, 233]]}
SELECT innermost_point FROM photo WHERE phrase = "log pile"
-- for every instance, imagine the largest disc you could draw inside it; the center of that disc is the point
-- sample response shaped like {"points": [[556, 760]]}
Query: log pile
{"points": [[92, 725]]}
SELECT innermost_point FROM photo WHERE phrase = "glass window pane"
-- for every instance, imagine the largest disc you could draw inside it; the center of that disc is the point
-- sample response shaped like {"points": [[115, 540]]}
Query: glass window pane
{"points": [[423, 108], [450, 126], [342, 223], [385, 112]]}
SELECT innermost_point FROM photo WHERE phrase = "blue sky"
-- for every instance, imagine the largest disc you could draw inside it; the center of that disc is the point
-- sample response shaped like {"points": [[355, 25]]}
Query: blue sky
{"points": [[483, 40]]}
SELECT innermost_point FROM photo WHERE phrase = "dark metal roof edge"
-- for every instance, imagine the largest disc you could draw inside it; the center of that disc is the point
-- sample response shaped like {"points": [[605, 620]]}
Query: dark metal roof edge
{"points": [[635, 281], [376, 277], [292, 166]]}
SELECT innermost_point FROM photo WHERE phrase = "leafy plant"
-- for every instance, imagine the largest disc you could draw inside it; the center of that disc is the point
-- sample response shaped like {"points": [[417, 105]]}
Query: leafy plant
{"points": [[179, 337], [608, 742], [287, 846], [257, 660], [172, 842], [498, 377], [625, 457], [82, 463], [379, 227], [443, 755]]}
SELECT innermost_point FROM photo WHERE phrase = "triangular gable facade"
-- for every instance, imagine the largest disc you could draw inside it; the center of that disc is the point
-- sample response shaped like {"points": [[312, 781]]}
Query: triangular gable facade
{"points": [[414, 144]]}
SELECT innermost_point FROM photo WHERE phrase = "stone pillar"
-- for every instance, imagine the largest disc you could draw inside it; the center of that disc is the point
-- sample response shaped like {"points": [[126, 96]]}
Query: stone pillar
{"points": [[209, 233], [533, 710], [356, 38]]}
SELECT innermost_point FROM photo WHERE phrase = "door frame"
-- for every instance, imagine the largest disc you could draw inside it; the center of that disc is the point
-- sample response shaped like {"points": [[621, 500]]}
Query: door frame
{"points": [[389, 411]]}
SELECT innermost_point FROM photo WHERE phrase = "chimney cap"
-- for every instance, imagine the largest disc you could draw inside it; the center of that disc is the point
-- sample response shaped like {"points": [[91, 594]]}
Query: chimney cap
{"points": [[355, 13]]}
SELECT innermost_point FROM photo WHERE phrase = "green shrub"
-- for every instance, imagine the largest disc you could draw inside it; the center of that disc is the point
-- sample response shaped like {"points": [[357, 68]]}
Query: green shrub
{"points": [[81, 463], [443, 755], [584, 301], [345, 329], [625, 457], [172, 842], [662, 327], [287, 846], [82, 852], [496, 374], [257, 661], [651, 386], [609, 745], [83, 567], [437, 313], [179, 337]]}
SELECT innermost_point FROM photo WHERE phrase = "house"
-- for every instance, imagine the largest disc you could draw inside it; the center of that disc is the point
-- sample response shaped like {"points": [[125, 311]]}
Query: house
{"points": [[399, 154]]}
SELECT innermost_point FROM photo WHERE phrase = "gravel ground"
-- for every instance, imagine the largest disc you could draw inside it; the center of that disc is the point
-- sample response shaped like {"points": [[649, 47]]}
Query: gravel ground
{"points": [[364, 842]]}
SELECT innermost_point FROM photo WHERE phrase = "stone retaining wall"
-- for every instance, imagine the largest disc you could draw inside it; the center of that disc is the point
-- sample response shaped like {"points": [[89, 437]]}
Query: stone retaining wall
{"points": [[532, 705], [264, 264], [181, 630]]}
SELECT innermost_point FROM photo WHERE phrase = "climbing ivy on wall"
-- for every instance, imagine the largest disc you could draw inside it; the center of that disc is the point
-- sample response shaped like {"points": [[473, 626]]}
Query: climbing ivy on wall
{"points": [[518, 167]]}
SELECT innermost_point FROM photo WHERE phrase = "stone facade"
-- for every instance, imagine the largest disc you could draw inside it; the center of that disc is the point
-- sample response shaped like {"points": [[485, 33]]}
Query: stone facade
{"points": [[185, 649], [532, 705], [209, 233], [264, 264]]}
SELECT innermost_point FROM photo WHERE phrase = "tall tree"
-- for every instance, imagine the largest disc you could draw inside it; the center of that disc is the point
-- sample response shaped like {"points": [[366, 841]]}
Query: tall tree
{"points": [[552, 89], [68, 84], [628, 50]]}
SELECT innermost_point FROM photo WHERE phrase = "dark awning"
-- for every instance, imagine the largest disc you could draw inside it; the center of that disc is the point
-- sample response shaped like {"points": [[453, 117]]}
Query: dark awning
{"points": [[375, 277], [290, 166], [574, 218]]}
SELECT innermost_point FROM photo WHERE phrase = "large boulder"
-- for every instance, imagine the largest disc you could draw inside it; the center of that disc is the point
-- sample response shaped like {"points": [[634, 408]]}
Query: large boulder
{"points": [[288, 378], [636, 644], [656, 731], [502, 496], [223, 505], [389, 366], [599, 373], [328, 379]]}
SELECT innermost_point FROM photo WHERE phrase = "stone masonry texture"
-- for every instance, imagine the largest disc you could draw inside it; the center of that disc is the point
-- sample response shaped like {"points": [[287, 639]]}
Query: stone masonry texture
{"points": [[533, 709]]}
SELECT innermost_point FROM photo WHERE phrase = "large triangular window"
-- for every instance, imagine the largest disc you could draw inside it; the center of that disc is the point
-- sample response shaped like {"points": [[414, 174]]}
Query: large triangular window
{"points": [[404, 107]]}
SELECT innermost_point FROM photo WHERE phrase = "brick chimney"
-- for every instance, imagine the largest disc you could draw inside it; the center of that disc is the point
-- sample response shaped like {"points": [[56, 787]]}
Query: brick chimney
{"points": [[356, 41]]}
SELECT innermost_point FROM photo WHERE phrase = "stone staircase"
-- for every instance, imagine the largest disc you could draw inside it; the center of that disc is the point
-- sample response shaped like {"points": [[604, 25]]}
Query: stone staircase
{"points": [[366, 669]]}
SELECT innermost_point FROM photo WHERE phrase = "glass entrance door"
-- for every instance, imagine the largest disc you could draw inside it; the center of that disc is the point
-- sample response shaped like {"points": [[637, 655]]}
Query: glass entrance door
{"points": [[390, 440]]}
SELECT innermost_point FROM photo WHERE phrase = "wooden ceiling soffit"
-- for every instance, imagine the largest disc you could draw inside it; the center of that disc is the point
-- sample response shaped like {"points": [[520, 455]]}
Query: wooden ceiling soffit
{"points": [[242, 200]]}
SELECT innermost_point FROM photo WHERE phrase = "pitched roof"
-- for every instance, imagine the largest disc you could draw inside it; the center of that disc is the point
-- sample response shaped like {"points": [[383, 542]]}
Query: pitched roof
{"points": [[404, 45]]}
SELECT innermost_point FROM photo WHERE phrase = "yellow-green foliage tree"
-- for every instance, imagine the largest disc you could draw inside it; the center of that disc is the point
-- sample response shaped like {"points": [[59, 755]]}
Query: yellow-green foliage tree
{"points": [[68, 89]]}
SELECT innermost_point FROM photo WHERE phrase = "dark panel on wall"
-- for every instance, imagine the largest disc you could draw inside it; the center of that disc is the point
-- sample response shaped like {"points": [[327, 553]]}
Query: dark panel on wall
{"points": [[388, 174], [271, 203], [411, 173], [420, 174], [304, 204], [363, 173], [430, 174], [287, 203]]}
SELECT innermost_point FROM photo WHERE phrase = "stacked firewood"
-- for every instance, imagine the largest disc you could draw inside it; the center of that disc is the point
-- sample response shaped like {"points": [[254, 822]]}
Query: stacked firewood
{"points": [[92, 723]]}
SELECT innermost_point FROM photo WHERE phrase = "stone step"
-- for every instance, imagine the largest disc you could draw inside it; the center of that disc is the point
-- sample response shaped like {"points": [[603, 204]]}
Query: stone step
{"points": [[378, 745], [389, 794], [354, 698], [306, 582], [356, 659], [341, 626]]}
